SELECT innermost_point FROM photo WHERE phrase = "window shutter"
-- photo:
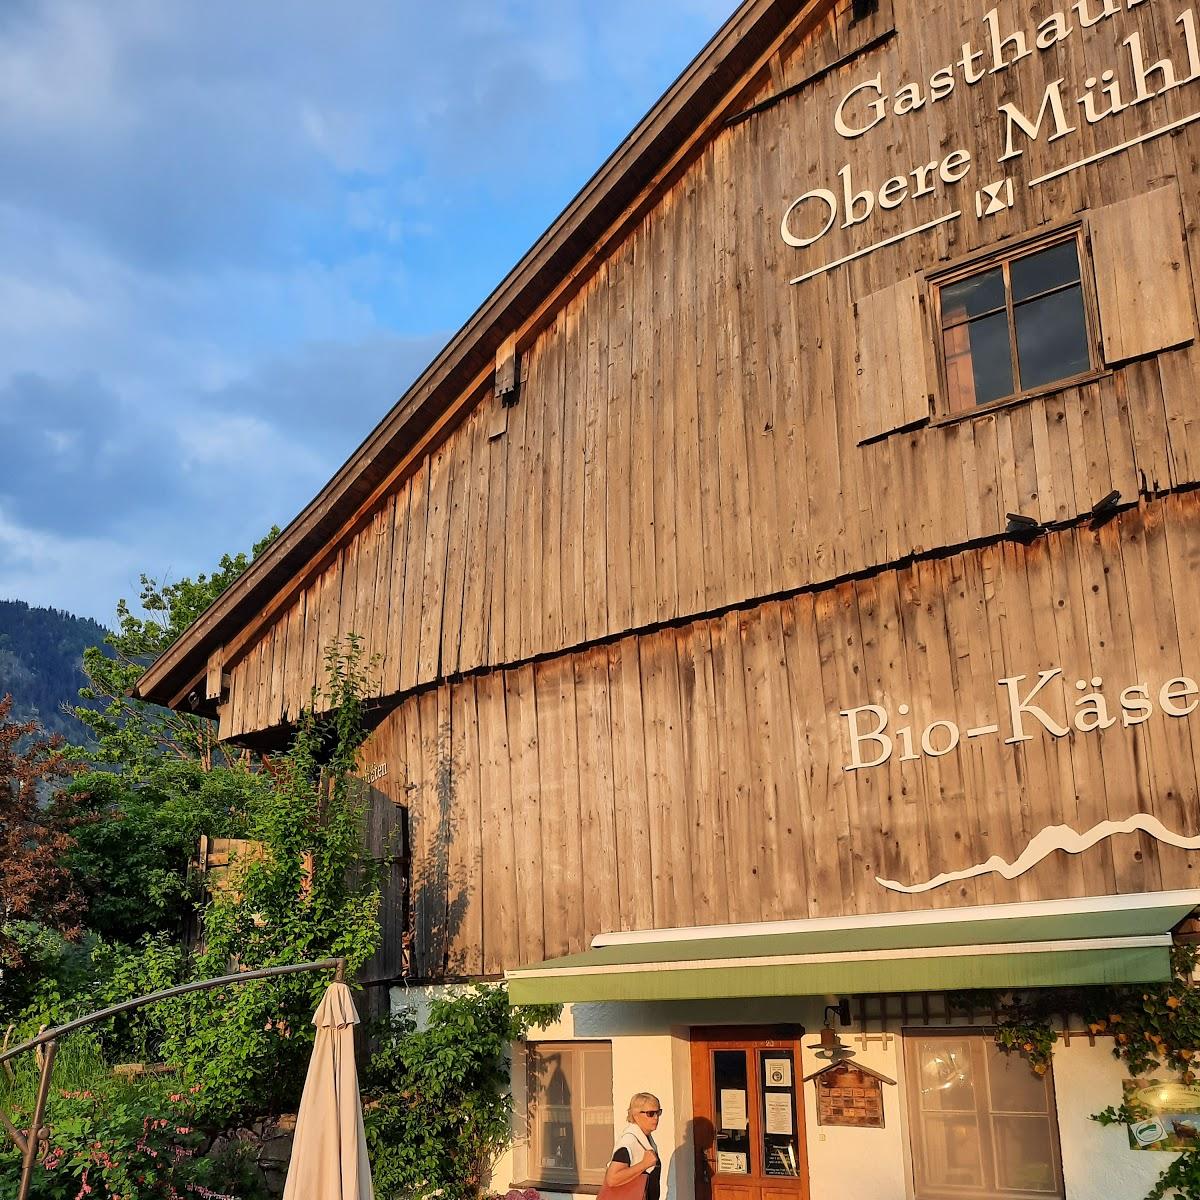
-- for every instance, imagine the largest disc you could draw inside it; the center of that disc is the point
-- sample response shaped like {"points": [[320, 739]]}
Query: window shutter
{"points": [[893, 374], [1143, 284]]}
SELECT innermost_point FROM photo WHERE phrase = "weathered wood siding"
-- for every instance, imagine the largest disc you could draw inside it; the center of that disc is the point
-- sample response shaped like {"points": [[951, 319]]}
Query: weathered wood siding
{"points": [[686, 437], [696, 775]]}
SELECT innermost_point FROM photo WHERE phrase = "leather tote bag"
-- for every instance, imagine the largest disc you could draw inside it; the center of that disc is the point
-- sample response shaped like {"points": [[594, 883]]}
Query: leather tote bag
{"points": [[635, 1189]]}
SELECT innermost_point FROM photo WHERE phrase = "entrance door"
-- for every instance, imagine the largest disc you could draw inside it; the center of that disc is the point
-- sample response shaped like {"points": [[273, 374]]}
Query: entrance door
{"points": [[748, 1123]]}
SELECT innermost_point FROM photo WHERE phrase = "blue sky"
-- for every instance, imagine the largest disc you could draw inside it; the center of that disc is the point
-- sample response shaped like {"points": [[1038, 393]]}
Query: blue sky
{"points": [[232, 234]]}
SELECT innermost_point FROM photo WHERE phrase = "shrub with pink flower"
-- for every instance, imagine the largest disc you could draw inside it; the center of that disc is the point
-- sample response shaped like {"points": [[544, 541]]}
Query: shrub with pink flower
{"points": [[126, 1141]]}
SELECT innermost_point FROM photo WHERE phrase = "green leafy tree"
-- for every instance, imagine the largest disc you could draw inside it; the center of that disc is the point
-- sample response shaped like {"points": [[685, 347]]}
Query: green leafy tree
{"points": [[440, 1109], [133, 841], [128, 733], [306, 891]]}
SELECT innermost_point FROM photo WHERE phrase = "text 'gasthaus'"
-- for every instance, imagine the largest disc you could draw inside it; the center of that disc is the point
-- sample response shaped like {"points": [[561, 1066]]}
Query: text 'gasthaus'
{"points": [[1127, 72], [1030, 707]]}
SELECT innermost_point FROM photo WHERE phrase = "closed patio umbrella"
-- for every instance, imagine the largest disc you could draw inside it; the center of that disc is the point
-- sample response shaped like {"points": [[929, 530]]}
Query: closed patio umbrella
{"points": [[329, 1151]]}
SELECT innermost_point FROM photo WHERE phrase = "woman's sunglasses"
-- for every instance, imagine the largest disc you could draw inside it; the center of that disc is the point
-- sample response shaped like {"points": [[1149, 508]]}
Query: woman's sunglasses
{"points": [[651, 1112]]}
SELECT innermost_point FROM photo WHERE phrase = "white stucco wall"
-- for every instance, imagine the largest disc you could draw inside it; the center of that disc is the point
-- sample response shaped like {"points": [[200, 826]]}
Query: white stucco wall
{"points": [[651, 1052], [1098, 1163], [859, 1164]]}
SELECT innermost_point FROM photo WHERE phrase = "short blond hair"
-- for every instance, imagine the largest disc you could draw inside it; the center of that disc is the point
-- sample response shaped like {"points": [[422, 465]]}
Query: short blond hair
{"points": [[638, 1100]]}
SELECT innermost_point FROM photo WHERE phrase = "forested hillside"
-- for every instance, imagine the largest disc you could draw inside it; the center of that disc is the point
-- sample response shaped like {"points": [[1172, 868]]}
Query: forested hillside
{"points": [[41, 650]]}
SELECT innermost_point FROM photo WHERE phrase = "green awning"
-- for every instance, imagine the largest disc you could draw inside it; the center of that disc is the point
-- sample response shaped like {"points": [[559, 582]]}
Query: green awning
{"points": [[1084, 942]]}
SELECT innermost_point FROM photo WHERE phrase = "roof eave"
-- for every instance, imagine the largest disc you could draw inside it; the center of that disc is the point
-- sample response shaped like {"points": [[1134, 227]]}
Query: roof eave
{"points": [[698, 97]]}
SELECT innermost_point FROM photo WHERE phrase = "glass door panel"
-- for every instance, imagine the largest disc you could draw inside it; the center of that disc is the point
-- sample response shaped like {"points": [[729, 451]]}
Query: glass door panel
{"points": [[780, 1154], [731, 1080]]}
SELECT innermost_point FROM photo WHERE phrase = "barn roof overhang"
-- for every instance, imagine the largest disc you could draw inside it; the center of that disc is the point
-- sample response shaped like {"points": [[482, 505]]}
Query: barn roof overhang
{"points": [[710, 90]]}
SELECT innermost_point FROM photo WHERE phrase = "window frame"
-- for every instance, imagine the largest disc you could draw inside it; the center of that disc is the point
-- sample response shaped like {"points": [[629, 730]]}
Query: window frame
{"points": [[582, 1179], [913, 1140], [989, 258]]}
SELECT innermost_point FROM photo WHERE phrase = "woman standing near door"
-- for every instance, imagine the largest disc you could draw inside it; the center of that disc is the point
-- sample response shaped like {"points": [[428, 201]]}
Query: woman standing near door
{"points": [[634, 1169]]}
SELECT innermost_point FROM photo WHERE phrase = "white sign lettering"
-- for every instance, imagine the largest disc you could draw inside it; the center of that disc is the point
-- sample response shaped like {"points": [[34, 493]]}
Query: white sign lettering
{"points": [[1029, 707], [1134, 74]]}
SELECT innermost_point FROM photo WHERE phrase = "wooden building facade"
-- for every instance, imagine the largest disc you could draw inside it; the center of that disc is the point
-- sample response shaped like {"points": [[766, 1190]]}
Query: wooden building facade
{"points": [[803, 541]]}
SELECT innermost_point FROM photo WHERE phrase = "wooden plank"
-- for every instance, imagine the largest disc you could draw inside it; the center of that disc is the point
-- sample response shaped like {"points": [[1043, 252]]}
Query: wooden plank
{"points": [[499, 899], [465, 452], [893, 385], [755, 386], [668, 826], [348, 600], [594, 540], [633, 866], [364, 592], [294, 695], [573, 626], [558, 802], [737, 569], [663, 390], [412, 605], [521, 711], [708, 401], [433, 590], [642, 445], [420, 788], [619, 405], [738, 816], [525, 597], [698, 700], [1143, 280], [380, 626], [687, 511], [601, 902], [465, 903], [393, 651], [463, 648], [497, 568], [815, 746], [544, 628]]}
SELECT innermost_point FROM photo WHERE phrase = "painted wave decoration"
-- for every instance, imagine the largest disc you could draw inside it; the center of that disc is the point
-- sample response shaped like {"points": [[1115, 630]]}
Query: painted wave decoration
{"points": [[1053, 837]]}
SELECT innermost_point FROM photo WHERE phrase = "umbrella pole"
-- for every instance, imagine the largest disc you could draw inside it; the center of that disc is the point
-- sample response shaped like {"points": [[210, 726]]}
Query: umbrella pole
{"points": [[33, 1139]]}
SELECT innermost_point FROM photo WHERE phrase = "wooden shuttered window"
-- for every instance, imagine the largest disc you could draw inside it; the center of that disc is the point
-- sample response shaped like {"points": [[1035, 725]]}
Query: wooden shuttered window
{"points": [[893, 361], [1143, 283]]}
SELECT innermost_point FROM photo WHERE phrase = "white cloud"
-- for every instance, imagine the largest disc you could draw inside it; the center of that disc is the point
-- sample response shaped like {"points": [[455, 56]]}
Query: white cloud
{"points": [[231, 234]]}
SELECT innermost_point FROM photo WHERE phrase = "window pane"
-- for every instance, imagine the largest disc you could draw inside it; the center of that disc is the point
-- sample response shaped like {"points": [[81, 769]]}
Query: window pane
{"points": [[730, 1079], [1052, 338], [953, 1155], [1013, 1086], [597, 1078], [978, 362], [945, 1075], [973, 297], [597, 1141], [1024, 1154], [1036, 273]]}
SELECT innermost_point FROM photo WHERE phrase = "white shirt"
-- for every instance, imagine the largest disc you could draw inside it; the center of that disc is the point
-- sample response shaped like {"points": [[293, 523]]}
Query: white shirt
{"points": [[637, 1143]]}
